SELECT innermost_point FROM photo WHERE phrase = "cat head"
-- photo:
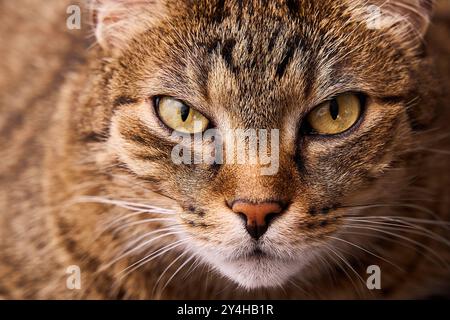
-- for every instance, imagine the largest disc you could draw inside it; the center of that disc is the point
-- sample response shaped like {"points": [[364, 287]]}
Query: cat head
{"points": [[329, 85]]}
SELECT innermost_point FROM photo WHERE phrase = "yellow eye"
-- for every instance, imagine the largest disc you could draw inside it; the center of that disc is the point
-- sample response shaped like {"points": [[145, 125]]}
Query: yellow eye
{"points": [[335, 116], [179, 117]]}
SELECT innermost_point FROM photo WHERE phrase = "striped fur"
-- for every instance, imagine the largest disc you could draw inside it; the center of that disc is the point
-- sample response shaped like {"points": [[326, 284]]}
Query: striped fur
{"points": [[86, 170]]}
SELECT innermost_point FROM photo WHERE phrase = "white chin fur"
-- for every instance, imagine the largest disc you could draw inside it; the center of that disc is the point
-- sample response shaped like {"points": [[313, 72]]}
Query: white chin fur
{"points": [[258, 273]]}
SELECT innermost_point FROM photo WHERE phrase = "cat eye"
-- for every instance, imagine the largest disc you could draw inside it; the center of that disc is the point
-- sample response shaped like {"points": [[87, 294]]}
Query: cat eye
{"points": [[335, 116], [178, 116]]}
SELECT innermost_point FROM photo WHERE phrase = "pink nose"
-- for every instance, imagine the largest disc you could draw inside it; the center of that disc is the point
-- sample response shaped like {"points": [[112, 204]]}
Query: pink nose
{"points": [[257, 216]]}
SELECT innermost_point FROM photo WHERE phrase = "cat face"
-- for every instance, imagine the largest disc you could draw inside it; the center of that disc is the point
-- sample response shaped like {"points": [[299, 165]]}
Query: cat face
{"points": [[334, 89]]}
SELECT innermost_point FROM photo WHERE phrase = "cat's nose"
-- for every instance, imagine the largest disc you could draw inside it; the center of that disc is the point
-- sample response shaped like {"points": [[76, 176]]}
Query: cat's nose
{"points": [[258, 216]]}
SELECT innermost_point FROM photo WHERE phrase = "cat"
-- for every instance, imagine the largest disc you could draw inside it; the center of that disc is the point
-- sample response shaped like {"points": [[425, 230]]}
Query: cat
{"points": [[94, 207]]}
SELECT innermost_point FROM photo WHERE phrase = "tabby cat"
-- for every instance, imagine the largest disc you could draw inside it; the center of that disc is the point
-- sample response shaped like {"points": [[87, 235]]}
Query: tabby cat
{"points": [[357, 91]]}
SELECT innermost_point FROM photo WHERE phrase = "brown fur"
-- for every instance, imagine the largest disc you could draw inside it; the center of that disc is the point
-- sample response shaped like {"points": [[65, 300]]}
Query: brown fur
{"points": [[78, 122]]}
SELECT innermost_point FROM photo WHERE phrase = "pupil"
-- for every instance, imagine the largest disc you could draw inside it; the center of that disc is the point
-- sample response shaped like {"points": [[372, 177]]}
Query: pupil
{"points": [[334, 109], [184, 113]]}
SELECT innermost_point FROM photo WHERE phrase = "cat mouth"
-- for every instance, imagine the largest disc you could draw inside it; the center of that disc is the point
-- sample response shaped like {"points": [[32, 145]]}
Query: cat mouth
{"points": [[255, 267], [257, 254], [258, 269], [253, 254]]}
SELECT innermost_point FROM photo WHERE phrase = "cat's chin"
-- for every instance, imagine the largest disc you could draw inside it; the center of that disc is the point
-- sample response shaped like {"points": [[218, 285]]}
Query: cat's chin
{"points": [[257, 273]]}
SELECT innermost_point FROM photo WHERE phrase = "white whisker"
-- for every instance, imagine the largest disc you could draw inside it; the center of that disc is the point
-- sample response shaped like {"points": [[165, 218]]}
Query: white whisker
{"points": [[151, 257], [365, 250], [124, 204], [141, 222], [434, 253], [140, 246], [165, 271], [176, 272]]}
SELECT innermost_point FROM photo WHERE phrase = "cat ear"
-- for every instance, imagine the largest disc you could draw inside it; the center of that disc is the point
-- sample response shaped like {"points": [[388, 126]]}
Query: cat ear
{"points": [[117, 21], [408, 18]]}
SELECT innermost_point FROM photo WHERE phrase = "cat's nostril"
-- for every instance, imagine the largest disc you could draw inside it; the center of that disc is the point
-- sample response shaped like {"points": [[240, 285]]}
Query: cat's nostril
{"points": [[243, 216], [257, 216], [268, 219]]}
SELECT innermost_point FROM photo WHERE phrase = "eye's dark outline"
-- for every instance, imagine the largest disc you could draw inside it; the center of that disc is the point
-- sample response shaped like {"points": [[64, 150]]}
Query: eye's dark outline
{"points": [[307, 130]]}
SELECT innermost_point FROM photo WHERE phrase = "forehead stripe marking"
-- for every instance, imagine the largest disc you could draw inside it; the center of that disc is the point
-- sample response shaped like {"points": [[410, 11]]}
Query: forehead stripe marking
{"points": [[123, 100], [227, 53], [292, 46]]}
